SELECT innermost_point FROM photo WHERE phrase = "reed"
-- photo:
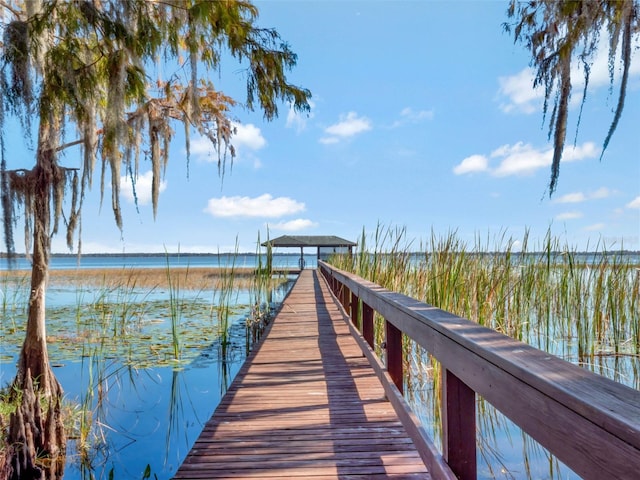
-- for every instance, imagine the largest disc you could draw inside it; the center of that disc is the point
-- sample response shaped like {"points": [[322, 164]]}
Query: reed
{"points": [[261, 295], [584, 309], [226, 293], [542, 296], [175, 308], [13, 295], [120, 322]]}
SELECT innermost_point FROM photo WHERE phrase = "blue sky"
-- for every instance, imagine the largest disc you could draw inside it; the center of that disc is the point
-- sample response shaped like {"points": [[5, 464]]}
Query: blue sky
{"points": [[423, 117]]}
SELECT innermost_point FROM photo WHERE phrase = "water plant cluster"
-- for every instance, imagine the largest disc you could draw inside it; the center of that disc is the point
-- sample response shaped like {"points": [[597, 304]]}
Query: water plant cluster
{"points": [[583, 307], [124, 331], [140, 323]]}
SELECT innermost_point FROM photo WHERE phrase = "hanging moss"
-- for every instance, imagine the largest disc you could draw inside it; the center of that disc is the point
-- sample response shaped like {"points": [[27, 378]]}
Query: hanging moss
{"points": [[560, 33], [82, 66]]}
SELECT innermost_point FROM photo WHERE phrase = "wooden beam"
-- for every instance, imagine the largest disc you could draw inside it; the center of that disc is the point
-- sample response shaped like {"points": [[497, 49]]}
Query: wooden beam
{"points": [[459, 426]]}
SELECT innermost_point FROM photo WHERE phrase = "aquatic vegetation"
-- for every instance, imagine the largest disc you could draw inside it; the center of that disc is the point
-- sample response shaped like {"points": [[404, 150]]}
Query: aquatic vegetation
{"points": [[142, 325], [175, 309], [125, 332], [225, 299], [261, 294], [578, 306], [581, 307]]}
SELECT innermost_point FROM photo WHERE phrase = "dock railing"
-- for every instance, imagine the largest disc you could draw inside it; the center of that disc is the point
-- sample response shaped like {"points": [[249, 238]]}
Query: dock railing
{"points": [[589, 422]]}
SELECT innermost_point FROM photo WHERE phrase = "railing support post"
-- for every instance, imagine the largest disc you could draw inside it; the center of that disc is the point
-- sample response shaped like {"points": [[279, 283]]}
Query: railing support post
{"points": [[355, 304], [367, 323], [459, 426], [344, 297], [394, 354]]}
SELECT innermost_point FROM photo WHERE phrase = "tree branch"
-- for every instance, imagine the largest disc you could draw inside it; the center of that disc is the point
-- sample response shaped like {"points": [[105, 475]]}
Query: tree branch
{"points": [[18, 14]]}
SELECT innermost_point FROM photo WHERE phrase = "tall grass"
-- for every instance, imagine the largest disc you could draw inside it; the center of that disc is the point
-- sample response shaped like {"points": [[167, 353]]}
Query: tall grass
{"points": [[175, 308], [226, 296], [120, 324], [260, 294], [584, 308], [13, 295], [552, 296]]}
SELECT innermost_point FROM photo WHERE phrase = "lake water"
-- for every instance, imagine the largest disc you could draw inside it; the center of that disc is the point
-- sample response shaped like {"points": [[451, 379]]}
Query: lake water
{"points": [[242, 260], [111, 351]]}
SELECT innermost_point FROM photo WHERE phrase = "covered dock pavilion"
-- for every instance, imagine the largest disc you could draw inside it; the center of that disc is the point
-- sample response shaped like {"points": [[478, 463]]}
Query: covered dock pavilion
{"points": [[326, 245]]}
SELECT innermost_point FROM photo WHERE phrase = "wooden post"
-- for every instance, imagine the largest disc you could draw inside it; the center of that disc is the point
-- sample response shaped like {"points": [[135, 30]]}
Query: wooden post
{"points": [[367, 323], [355, 304], [343, 296], [394, 354], [459, 426]]}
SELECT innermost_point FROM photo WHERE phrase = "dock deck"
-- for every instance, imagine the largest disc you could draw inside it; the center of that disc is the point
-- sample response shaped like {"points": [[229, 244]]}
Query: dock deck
{"points": [[306, 404]]}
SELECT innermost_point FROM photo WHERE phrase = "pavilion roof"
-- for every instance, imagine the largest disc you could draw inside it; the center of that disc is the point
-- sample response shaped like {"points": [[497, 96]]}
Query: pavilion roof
{"points": [[309, 241]]}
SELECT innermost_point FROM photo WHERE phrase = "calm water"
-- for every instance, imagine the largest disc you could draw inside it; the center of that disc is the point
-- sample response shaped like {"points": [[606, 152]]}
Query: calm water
{"points": [[144, 409], [243, 260]]}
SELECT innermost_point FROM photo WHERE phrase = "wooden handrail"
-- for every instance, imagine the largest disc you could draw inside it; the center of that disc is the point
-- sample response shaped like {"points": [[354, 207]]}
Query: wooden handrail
{"points": [[589, 422]]}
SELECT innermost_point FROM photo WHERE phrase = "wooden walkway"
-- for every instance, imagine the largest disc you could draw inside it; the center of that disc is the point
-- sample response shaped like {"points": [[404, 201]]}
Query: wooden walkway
{"points": [[306, 404]]}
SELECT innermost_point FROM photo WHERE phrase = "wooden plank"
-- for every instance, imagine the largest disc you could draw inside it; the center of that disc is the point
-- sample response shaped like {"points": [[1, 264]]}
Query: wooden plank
{"points": [[306, 404]]}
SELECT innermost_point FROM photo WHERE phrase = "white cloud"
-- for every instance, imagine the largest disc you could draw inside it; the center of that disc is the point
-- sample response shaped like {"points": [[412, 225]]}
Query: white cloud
{"points": [[293, 225], [474, 163], [577, 197], [522, 159], [569, 216], [416, 116], [202, 149], [247, 136], [579, 152], [635, 203], [595, 227], [298, 120], [413, 116], [247, 140], [329, 140], [348, 126], [519, 92], [409, 115], [602, 192], [262, 206], [142, 188]]}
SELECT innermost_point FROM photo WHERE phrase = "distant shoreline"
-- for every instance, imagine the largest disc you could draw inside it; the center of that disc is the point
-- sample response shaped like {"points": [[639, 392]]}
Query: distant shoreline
{"points": [[184, 277], [297, 254], [156, 254]]}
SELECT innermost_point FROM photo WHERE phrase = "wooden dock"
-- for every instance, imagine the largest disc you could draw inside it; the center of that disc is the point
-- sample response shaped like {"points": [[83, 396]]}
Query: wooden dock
{"points": [[306, 404]]}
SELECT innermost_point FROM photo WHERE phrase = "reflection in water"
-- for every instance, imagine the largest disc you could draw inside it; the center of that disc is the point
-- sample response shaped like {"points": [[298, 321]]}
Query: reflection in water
{"points": [[132, 409], [134, 418]]}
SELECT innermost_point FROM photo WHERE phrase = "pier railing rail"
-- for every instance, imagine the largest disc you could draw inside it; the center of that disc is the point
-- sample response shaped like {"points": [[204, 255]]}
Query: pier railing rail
{"points": [[589, 422]]}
